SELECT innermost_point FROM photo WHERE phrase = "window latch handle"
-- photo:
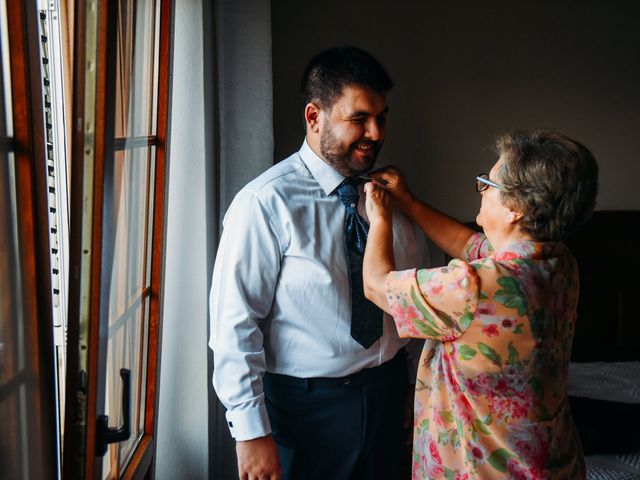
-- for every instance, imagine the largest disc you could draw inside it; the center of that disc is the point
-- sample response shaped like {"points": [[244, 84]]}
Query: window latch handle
{"points": [[106, 435]]}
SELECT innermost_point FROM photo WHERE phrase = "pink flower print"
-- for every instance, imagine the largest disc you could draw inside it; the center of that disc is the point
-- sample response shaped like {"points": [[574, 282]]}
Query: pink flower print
{"points": [[477, 453], [433, 451], [506, 256], [418, 411], [404, 317], [519, 407], [486, 308], [483, 381], [516, 379], [418, 466], [530, 441], [532, 279], [434, 470], [430, 460], [490, 330], [474, 246], [473, 387], [463, 409], [432, 288], [502, 385], [508, 403], [517, 471], [452, 382], [396, 310], [404, 274]]}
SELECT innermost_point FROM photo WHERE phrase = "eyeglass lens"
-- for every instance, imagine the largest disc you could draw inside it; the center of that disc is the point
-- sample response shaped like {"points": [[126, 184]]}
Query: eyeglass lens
{"points": [[480, 185]]}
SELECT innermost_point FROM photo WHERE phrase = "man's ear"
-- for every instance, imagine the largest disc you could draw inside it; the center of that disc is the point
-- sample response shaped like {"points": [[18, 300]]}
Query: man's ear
{"points": [[312, 117]]}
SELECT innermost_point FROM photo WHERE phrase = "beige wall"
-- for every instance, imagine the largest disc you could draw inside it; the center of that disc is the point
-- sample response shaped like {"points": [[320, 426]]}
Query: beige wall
{"points": [[467, 70]]}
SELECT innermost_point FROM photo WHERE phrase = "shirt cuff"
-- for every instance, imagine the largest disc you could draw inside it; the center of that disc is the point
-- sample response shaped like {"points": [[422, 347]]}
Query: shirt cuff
{"points": [[249, 423]]}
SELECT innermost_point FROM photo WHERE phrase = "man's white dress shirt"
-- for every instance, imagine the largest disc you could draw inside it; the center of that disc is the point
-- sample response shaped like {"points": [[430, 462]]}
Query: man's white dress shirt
{"points": [[280, 299]]}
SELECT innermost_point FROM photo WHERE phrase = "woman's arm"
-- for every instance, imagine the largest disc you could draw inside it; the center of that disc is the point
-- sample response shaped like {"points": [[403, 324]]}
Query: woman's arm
{"points": [[447, 233], [378, 257], [438, 303]]}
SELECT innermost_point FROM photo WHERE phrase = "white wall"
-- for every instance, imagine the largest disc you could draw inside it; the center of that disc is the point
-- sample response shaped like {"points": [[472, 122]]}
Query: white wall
{"points": [[466, 70], [182, 449]]}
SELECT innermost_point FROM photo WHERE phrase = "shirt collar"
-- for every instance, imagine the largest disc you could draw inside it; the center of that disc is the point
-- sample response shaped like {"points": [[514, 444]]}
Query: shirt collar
{"points": [[325, 175]]}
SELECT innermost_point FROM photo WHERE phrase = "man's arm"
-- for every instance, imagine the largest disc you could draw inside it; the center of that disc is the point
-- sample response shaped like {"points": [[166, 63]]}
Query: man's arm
{"points": [[244, 278]]}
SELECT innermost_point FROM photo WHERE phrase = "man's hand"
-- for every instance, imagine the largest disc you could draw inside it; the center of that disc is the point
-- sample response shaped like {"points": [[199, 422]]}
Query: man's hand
{"points": [[258, 459]]}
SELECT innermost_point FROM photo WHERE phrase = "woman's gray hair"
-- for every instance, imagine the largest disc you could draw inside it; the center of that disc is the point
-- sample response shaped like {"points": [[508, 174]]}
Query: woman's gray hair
{"points": [[549, 178]]}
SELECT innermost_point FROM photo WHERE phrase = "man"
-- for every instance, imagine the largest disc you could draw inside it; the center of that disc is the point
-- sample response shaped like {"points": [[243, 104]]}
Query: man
{"points": [[312, 375]]}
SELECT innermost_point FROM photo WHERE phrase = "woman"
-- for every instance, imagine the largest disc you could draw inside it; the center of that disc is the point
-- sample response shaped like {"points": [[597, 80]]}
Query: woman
{"points": [[491, 393]]}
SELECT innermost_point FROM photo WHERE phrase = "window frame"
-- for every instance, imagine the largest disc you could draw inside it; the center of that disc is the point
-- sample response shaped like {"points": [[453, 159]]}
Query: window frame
{"points": [[89, 303]]}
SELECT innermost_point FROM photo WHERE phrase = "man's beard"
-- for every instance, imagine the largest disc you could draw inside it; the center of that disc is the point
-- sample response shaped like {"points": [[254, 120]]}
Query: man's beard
{"points": [[342, 159]]}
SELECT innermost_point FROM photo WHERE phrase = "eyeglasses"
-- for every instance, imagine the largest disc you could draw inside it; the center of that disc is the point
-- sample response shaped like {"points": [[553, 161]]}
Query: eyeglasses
{"points": [[483, 182]]}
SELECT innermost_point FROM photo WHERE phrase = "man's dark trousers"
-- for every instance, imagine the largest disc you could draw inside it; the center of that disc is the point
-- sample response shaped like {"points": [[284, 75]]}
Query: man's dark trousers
{"points": [[347, 428]]}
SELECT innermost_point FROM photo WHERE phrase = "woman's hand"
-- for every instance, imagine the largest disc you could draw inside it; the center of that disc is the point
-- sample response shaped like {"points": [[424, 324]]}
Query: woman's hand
{"points": [[393, 181], [378, 204]]}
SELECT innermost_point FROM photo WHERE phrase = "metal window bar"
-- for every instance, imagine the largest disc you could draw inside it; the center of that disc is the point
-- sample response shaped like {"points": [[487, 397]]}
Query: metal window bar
{"points": [[58, 201]]}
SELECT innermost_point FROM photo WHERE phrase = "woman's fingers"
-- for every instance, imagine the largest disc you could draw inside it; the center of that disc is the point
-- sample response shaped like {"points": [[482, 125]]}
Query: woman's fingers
{"points": [[377, 202]]}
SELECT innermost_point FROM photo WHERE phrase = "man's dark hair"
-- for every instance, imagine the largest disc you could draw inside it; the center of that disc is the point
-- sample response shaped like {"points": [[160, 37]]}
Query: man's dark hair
{"points": [[330, 71], [550, 178]]}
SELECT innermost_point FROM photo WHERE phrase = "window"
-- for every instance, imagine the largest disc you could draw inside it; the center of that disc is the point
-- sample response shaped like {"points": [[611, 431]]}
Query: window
{"points": [[119, 98], [27, 410], [130, 210], [118, 168]]}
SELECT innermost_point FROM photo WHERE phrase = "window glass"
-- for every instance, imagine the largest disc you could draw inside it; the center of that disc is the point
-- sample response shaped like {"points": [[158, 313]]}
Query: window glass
{"points": [[6, 128], [132, 207], [13, 401], [136, 68], [14, 357], [131, 216], [23, 434]]}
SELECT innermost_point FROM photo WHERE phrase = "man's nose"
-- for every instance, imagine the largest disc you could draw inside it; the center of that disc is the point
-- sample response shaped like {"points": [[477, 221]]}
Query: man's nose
{"points": [[374, 131]]}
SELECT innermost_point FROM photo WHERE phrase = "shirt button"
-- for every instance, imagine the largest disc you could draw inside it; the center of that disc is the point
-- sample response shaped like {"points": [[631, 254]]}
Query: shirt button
{"points": [[346, 381], [353, 205]]}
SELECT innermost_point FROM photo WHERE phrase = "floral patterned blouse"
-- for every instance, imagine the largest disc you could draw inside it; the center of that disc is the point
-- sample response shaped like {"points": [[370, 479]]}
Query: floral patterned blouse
{"points": [[491, 393]]}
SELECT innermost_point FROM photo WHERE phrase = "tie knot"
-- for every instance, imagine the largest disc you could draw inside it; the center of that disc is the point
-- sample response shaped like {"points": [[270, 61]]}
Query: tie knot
{"points": [[348, 192]]}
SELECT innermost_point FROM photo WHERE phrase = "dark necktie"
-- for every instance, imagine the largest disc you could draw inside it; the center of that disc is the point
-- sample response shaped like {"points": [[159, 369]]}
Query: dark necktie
{"points": [[366, 318]]}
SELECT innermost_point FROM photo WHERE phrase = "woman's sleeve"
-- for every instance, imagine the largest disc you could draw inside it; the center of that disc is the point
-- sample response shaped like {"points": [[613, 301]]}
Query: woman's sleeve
{"points": [[477, 247], [436, 303]]}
